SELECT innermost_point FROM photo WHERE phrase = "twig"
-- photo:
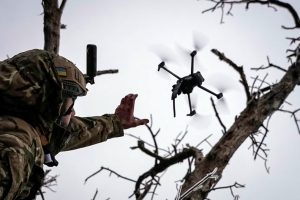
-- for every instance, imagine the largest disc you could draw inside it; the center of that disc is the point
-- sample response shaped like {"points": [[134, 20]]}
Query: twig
{"points": [[294, 115], [259, 88], [235, 185], [293, 40], [154, 189], [95, 195], [239, 69], [142, 147], [138, 138], [258, 146], [111, 172], [218, 116], [205, 140], [49, 181], [62, 5], [177, 141], [221, 5], [270, 65], [263, 81], [109, 71]]}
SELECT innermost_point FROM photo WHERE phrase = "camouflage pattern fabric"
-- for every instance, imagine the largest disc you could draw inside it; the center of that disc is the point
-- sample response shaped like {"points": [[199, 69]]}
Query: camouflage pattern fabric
{"points": [[30, 88], [30, 101], [92, 130], [20, 151]]}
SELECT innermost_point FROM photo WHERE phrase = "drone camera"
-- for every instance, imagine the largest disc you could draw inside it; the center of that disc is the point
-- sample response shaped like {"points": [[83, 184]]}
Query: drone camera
{"points": [[91, 62]]}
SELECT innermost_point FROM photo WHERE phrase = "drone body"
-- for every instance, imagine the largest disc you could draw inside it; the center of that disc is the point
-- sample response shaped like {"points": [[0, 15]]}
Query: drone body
{"points": [[185, 85]]}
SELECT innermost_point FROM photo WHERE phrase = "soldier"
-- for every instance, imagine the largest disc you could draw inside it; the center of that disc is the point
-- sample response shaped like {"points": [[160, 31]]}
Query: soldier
{"points": [[38, 90]]}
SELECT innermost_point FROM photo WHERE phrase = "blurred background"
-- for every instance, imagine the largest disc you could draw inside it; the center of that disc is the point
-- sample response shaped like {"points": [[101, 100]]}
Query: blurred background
{"points": [[133, 36]]}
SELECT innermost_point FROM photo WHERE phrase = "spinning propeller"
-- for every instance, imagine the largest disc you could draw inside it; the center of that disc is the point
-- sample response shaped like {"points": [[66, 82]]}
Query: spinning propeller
{"points": [[186, 84]]}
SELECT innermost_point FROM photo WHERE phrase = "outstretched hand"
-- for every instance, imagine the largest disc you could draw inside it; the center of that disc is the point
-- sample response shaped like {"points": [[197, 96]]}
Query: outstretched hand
{"points": [[125, 112]]}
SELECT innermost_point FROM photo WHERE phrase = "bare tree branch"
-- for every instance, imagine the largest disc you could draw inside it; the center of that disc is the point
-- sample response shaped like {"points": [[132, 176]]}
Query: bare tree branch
{"points": [[294, 115], [141, 146], [109, 71], [293, 40], [270, 65], [218, 116], [111, 172], [239, 69], [95, 195], [220, 4], [62, 5], [49, 181], [163, 165], [260, 146], [147, 143], [235, 185]]}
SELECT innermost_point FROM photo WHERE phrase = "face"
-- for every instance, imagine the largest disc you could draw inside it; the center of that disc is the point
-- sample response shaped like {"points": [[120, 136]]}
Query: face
{"points": [[67, 111]]}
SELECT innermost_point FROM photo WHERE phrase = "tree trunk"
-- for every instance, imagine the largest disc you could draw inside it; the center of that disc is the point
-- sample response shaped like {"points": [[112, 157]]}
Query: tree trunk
{"points": [[52, 24]]}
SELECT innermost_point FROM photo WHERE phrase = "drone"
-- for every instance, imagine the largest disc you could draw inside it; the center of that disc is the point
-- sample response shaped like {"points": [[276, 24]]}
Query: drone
{"points": [[186, 84]]}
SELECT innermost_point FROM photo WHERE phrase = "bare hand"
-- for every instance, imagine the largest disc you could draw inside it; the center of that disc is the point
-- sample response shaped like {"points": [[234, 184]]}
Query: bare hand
{"points": [[125, 112]]}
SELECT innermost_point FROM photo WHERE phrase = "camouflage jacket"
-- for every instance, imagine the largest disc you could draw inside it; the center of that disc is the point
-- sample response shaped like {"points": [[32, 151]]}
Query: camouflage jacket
{"points": [[31, 90]]}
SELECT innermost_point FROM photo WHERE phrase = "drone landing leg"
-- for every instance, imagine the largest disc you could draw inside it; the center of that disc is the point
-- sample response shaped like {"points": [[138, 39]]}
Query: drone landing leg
{"points": [[192, 112], [174, 110], [219, 96]]}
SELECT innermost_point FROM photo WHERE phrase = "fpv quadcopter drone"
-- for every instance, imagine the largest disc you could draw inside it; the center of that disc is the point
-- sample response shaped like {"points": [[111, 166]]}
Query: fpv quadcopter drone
{"points": [[186, 84]]}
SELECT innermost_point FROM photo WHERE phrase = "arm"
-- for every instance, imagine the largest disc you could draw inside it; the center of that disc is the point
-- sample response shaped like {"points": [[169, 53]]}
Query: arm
{"points": [[92, 130], [86, 131]]}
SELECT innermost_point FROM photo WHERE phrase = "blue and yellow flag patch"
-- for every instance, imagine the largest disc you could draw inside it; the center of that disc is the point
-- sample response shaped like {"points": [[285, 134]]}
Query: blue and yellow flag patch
{"points": [[61, 71]]}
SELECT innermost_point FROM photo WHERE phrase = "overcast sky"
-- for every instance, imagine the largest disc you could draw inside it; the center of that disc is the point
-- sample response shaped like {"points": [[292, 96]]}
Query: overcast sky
{"points": [[128, 33]]}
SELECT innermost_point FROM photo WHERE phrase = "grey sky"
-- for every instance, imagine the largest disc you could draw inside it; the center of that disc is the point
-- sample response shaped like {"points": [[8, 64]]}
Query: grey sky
{"points": [[126, 32]]}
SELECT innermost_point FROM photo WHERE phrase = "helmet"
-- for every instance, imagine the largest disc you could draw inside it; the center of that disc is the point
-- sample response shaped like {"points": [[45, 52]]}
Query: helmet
{"points": [[72, 79]]}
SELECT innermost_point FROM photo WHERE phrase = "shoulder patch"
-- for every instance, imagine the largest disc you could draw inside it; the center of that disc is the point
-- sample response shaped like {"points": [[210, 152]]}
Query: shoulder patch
{"points": [[61, 71]]}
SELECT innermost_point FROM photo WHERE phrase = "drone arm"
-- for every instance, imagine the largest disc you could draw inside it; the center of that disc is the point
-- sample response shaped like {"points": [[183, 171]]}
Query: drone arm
{"points": [[192, 61], [219, 96], [162, 65]]}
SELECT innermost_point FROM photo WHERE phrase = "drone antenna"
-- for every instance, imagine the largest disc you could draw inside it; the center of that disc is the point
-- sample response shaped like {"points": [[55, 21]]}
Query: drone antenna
{"points": [[192, 62], [162, 65]]}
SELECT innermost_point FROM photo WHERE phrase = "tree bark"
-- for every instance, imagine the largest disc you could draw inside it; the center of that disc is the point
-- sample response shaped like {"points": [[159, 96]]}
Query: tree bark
{"points": [[52, 24], [248, 122]]}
